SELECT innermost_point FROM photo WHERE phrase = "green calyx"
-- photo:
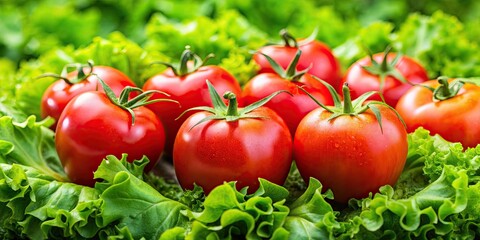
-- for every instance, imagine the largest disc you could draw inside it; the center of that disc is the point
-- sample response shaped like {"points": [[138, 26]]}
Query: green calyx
{"points": [[81, 74], [127, 104], [447, 90], [230, 112], [351, 107], [183, 67], [385, 68], [291, 72]]}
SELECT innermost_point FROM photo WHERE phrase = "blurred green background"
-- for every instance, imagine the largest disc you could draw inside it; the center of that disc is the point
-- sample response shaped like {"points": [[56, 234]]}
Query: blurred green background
{"points": [[28, 28]]}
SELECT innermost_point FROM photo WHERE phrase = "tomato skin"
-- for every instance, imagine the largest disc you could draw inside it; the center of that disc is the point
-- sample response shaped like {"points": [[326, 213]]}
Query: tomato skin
{"points": [[316, 55], [349, 154], [91, 127], [190, 91], [291, 108], [456, 119], [361, 81], [58, 94], [244, 150]]}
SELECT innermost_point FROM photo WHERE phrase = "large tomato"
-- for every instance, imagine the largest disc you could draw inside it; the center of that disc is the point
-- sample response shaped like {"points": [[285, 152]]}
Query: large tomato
{"points": [[57, 95], [348, 151], [452, 110], [189, 89], [292, 108], [234, 145], [389, 73], [92, 126], [316, 56]]}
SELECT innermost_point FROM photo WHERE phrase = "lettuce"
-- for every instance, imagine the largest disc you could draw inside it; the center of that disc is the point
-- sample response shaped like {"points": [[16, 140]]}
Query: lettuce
{"points": [[31, 144]]}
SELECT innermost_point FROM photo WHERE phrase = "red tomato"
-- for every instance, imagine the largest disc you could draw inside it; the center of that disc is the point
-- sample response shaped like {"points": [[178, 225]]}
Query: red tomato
{"points": [[57, 95], [92, 127], [457, 119], [361, 80], [291, 108], [190, 91], [348, 152], [315, 55], [244, 150]]}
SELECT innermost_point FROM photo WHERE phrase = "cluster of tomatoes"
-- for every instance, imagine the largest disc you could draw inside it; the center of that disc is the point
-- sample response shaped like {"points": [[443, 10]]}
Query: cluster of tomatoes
{"points": [[354, 141]]}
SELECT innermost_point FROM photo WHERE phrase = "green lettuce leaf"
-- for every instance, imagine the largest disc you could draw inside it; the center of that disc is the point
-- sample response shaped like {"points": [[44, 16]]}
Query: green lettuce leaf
{"points": [[311, 216], [131, 204], [31, 144], [34, 205], [229, 213]]}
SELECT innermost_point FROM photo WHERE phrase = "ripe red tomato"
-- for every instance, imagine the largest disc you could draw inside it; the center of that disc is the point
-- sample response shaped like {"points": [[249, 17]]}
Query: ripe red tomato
{"points": [[384, 76], [92, 127], [291, 108], [242, 147], [315, 54], [348, 152], [190, 90], [57, 95], [457, 118]]}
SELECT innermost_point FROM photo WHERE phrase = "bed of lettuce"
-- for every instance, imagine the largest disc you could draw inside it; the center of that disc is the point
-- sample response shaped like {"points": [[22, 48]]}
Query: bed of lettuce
{"points": [[436, 197]]}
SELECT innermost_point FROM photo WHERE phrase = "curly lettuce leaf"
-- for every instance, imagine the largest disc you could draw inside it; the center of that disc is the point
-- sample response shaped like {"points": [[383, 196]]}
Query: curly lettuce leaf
{"points": [[425, 213], [34, 205], [229, 213], [31, 144], [311, 216], [131, 204]]}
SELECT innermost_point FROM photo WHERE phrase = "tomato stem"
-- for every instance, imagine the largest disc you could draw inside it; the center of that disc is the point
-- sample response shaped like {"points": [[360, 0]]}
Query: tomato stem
{"points": [[288, 39], [232, 109], [81, 75], [186, 56], [447, 90], [183, 68], [347, 100]]}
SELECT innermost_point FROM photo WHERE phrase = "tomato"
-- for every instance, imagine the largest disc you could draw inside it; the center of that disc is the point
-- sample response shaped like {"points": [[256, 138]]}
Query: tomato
{"points": [[190, 90], [92, 127], [211, 148], [455, 118], [291, 108], [316, 56], [58, 94], [347, 150], [390, 73]]}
